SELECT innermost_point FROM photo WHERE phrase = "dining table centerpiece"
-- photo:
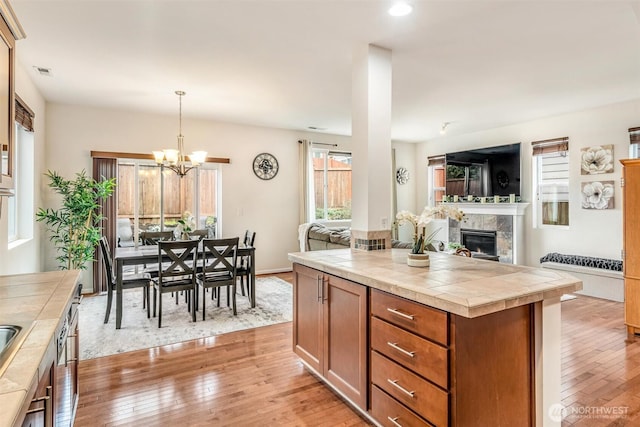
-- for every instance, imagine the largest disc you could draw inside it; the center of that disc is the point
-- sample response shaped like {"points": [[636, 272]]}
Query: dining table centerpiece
{"points": [[418, 257]]}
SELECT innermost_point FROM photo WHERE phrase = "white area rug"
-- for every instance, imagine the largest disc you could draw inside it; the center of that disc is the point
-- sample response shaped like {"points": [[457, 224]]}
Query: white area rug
{"points": [[97, 339]]}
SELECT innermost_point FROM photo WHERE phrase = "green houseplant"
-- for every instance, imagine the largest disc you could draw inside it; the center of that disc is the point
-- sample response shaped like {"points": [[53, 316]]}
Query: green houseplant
{"points": [[75, 227]]}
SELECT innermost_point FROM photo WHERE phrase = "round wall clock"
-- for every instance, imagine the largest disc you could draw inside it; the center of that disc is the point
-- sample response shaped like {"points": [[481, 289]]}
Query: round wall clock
{"points": [[402, 175], [265, 166]]}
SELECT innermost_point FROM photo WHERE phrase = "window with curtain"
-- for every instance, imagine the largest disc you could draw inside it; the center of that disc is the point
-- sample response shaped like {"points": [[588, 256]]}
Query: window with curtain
{"points": [[151, 198], [551, 181], [437, 189], [330, 185]]}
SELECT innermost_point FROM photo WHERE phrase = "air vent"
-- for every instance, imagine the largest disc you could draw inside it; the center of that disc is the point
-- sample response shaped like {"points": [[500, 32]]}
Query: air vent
{"points": [[43, 71]]}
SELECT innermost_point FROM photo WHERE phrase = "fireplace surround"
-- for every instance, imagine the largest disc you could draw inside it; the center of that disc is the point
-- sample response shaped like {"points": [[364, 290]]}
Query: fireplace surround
{"points": [[506, 220]]}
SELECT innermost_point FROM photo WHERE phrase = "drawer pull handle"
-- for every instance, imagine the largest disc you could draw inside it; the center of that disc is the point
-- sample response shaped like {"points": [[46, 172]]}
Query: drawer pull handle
{"points": [[402, 389], [401, 314], [400, 349], [395, 421]]}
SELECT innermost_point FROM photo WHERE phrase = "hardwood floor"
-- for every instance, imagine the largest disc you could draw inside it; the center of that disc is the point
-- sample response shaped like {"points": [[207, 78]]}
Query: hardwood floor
{"points": [[252, 378]]}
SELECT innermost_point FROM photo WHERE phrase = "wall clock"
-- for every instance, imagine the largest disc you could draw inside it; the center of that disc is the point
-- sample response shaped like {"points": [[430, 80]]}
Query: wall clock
{"points": [[402, 175], [265, 166]]}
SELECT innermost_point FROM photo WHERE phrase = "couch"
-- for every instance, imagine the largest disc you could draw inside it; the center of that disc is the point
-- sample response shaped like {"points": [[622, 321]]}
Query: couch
{"points": [[317, 237]]}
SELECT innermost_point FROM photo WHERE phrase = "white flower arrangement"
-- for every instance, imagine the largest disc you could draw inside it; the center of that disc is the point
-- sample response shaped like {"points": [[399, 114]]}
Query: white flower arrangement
{"points": [[419, 222]]}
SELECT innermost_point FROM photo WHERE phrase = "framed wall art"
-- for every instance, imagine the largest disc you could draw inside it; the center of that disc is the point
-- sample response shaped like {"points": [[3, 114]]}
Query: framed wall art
{"points": [[596, 160], [597, 195]]}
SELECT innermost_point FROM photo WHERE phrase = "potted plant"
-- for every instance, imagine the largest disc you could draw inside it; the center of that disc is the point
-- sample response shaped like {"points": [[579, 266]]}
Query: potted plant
{"points": [[417, 257], [75, 227]]}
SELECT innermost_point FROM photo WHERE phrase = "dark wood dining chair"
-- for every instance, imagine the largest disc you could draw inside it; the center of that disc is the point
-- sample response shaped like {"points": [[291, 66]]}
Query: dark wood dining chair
{"points": [[129, 281], [153, 237], [244, 266], [218, 269], [176, 272], [199, 234]]}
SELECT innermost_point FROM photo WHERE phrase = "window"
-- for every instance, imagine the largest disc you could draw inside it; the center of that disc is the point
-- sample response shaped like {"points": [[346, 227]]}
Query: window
{"points": [[437, 189], [154, 199], [331, 185], [634, 139], [551, 180], [20, 227]]}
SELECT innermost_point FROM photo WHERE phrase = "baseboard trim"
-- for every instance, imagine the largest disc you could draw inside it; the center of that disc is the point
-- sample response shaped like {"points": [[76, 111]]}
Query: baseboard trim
{"points": [[274, 271]]}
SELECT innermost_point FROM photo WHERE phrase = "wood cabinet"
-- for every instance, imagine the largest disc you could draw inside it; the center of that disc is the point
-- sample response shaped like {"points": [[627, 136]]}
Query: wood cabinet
{"points": [[631, 241], [429, 367], [7, 99], [40, 412], [330, 330]]}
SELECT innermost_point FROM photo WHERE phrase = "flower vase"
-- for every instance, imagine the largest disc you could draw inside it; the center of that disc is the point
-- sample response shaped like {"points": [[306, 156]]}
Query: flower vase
{"points": [[185, 235], [418, 260]]}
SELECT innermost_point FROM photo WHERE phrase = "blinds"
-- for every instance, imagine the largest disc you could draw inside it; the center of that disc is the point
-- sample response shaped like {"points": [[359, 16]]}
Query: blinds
{"points": [[554, 177], [24, 115], [435, 160], [634, 135], [555, 145]]}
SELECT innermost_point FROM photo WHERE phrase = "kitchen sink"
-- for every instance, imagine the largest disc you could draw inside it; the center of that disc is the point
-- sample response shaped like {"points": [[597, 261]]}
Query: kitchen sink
{"points": [[8, 335]]}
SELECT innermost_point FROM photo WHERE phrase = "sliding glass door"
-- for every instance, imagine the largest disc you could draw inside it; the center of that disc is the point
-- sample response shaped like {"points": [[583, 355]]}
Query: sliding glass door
{"points": [[153, 198]]}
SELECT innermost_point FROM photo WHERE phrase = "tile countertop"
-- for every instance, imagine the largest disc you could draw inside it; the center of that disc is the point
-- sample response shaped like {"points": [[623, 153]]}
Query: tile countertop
{"points": [[37, 302], [464, 286]]}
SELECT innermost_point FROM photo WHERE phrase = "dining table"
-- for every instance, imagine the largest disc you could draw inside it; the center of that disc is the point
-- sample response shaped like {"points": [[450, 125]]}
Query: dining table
{"points": [[143, 255]]}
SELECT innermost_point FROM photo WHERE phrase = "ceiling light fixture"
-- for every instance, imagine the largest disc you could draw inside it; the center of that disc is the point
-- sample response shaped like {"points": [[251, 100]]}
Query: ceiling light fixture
{"points": [[443, 129], [175, 159], [400, 9]]}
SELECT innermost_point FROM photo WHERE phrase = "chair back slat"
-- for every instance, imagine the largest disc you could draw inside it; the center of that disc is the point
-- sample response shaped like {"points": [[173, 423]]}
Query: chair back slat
{"points": [[153, 237], [220, 256], [182, 254], [108, 262]]}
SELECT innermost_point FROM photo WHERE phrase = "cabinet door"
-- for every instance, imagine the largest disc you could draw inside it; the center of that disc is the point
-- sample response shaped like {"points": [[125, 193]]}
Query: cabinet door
{"points": [[345, 319], [40, 412], [631, 215], [307, 315]]}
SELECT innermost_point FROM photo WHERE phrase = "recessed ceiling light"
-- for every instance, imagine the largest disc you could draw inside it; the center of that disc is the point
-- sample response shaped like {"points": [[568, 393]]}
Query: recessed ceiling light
{"points": [[400, 9]]}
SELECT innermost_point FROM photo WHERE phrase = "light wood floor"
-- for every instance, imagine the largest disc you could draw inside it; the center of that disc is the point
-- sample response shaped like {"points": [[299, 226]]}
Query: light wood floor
{"points": [[252, 378]]}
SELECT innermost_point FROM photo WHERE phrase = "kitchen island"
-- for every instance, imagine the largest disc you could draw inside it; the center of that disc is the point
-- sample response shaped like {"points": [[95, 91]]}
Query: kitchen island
{"points": [[41, 363], [462, 342]]}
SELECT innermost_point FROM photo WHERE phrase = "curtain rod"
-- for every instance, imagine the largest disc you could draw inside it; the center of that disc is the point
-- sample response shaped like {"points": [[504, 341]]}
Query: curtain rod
{"points": [[320, 143]]}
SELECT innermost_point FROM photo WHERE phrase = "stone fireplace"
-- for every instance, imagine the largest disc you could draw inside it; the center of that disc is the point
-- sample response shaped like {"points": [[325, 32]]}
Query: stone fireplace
{"points": [[491, 226]]}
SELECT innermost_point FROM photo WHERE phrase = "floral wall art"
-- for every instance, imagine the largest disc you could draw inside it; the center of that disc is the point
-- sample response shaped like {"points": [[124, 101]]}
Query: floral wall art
{"points": [[597, 160], [597, 195]]}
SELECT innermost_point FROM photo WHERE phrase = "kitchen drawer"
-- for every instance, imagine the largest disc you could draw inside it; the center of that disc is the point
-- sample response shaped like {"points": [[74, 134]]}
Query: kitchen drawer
{"points": [[416, 393], [389, 413], [420, 319], [418, 354]]}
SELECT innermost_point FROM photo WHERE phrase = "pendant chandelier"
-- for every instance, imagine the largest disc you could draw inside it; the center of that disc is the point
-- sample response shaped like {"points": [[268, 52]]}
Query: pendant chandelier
{"points": [[175, 159]]}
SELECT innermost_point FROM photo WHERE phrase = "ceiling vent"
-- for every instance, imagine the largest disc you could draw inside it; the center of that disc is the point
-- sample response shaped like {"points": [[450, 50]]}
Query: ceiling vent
{"points": [[43, 71]]}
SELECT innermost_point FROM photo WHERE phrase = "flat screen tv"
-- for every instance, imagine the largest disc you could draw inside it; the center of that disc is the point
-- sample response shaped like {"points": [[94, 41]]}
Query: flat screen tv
{"points": [[491, 171]]}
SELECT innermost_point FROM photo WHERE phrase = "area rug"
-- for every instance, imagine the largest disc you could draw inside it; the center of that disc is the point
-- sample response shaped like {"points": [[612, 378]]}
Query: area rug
{"points": [[97, 339]]}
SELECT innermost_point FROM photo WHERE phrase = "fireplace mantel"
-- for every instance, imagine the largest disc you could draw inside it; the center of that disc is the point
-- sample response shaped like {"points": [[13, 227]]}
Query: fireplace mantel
{"points": [[514, 209]]}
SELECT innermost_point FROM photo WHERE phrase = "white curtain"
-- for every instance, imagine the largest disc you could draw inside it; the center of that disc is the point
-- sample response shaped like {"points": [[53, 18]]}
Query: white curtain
{"points": [[307, 201]]}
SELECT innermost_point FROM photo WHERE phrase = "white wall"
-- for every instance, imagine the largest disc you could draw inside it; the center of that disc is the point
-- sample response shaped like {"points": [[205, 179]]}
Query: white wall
{"points": [[25, 256], [591, 232], [406, 193], [268, 207]]}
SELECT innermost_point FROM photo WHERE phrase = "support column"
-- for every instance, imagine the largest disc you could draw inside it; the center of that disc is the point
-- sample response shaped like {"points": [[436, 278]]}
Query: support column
{"points": [[371, 138]]}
